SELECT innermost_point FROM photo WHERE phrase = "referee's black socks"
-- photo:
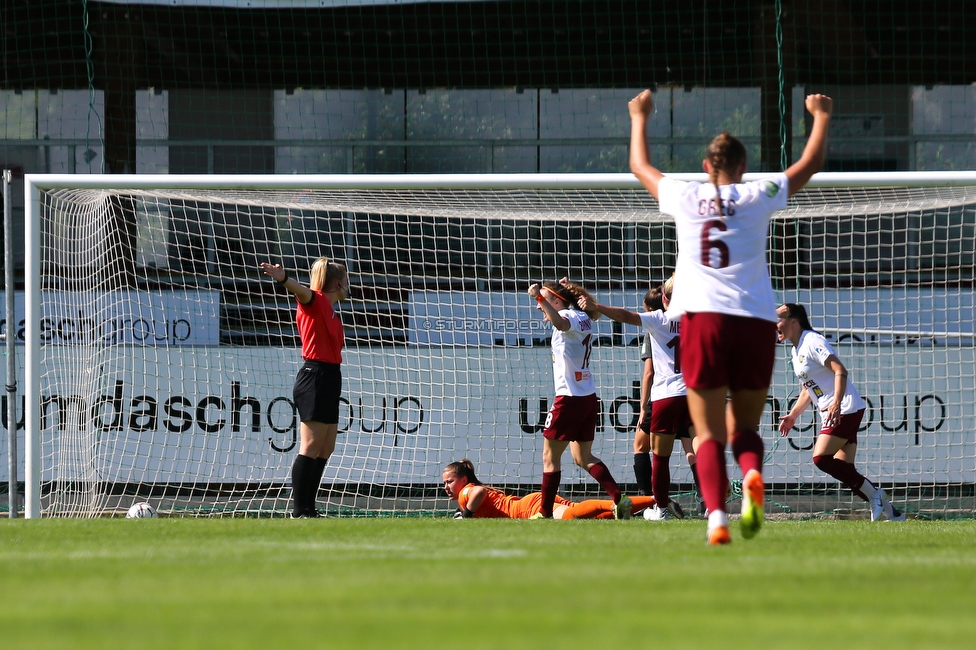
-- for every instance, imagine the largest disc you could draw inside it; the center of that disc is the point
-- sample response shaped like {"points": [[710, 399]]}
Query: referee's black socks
{"points": [[642, 472], [314, 480], [301, 472]]}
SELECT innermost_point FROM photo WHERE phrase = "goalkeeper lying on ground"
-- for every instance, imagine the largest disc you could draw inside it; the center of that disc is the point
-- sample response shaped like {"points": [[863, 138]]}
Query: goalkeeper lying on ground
{"points": [[478, 500]]}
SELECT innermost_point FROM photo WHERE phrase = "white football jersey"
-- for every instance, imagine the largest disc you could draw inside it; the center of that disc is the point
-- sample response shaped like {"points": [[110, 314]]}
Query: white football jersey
{"points": [[665, 336], [571, 355], [808, 364], [721, 265]]}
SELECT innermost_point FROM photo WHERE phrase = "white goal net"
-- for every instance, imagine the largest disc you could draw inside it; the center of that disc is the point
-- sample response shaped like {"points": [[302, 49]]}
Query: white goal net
{"points": [[160, 362]]}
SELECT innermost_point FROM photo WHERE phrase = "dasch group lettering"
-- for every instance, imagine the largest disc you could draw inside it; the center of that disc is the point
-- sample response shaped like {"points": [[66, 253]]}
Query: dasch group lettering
{"points": [[81, 329], [119, 408]]}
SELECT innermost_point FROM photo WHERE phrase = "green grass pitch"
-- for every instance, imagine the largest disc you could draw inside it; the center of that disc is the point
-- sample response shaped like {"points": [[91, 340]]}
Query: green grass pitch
{"points": [[440, 583]]}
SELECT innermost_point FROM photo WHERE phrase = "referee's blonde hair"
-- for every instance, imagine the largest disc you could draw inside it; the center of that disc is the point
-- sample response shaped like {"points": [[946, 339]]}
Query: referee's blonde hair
{"points": [[324, 273]]}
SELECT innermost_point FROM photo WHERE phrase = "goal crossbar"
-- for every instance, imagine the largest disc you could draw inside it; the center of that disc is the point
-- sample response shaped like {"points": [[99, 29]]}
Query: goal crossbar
{"points": [[462, 181]]}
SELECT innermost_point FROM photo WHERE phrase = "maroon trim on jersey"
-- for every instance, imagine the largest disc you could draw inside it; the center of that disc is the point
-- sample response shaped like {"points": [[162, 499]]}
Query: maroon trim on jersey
{"points": [[320, 329]]}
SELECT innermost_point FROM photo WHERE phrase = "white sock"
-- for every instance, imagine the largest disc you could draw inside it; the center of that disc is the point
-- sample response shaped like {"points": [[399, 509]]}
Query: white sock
{"points": [[717, 518], [868, 489]]}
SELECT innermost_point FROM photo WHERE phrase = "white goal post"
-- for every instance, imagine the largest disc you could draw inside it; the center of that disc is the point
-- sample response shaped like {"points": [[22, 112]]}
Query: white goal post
{"points": [[159, 362]]}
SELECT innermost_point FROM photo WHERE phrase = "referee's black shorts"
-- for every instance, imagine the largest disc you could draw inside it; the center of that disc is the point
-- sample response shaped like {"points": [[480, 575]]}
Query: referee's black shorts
{"points": [[317, 390]]}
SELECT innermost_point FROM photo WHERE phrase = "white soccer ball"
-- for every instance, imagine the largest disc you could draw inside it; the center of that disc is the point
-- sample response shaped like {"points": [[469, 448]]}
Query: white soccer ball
{"points": [[653, 513], [141, 510]]}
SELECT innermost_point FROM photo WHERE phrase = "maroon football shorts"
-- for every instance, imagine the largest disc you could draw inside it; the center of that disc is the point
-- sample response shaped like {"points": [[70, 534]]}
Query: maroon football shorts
{"points": [[572, 418], [846, 427], [722, 350], [669, 415]]}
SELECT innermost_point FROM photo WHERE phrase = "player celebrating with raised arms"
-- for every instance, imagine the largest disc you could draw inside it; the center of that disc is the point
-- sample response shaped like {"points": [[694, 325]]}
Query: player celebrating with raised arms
{"points": [[475, 499], [571, 420], [669, 406], [824, 381], [725, 299], [319, 381]]}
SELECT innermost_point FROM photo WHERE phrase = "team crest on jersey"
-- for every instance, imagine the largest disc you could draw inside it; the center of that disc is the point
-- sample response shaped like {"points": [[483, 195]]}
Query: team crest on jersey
{"points": [[800, 360], [770, 188]]}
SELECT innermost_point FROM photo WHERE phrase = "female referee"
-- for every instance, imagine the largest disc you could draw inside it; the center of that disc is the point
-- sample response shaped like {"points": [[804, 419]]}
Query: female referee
{"points": [[725, 299], [475, 499], [823, 379], [572, 419], [319, 381]]}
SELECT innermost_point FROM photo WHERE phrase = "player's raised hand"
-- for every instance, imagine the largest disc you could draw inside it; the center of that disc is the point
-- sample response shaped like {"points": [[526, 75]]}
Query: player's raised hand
{"points": [[819, 104], [534, 290], [274, 271], [642, 105]]}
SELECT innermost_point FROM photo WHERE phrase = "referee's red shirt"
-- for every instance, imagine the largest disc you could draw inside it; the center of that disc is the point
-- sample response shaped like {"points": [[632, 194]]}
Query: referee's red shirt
{"points": [[321, 330]]}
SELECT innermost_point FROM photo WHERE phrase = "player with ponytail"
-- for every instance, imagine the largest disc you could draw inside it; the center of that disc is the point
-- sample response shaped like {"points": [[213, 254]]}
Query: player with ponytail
{"points": [[725, 151], [824, 383], [477, 500], [572, 419], [725, 299]]}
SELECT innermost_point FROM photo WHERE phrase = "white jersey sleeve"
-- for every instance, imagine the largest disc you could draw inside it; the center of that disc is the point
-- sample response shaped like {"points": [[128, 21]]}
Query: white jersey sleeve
{"points": [[808, 359], [721, 265], [571, 355], [665, 336]]}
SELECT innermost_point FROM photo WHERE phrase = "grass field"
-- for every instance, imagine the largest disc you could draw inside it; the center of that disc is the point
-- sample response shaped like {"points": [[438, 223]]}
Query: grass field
{"points": [[440, 583]]}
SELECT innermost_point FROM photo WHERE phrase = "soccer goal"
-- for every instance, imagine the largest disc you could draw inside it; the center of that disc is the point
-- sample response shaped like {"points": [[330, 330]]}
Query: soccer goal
{"points": [[159, 361]]}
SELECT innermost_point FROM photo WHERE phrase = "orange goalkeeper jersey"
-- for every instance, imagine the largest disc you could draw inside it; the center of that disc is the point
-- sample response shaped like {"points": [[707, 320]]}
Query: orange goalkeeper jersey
{"points": [[497, 504]]}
